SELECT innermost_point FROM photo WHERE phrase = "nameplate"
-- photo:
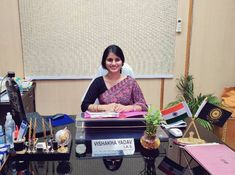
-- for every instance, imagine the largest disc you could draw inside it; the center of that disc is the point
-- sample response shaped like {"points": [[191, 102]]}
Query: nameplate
{"points": [[113, 147]]}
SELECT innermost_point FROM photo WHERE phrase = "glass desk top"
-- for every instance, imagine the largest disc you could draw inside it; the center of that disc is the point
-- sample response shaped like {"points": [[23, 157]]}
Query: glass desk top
{"points": [[135, 164]]}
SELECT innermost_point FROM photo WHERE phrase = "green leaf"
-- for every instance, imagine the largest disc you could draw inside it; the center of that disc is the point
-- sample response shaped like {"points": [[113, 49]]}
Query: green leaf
{"points": [[185, 88], [152, 119]]}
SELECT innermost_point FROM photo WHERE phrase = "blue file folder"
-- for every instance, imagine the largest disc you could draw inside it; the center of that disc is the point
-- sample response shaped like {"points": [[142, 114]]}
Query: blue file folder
{"points": [[64, 120]]}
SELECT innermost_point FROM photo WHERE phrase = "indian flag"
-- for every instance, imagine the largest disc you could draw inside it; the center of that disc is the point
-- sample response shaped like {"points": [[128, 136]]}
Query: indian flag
{"points": [[176, 113]]}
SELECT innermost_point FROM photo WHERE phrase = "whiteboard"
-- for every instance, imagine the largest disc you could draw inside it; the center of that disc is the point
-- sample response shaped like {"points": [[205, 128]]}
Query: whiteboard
{"points": [[65, 39]]}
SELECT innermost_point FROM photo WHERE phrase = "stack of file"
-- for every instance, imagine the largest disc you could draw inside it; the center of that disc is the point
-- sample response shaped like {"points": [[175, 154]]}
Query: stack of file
{"points": [[111, 120], [98, 115]]}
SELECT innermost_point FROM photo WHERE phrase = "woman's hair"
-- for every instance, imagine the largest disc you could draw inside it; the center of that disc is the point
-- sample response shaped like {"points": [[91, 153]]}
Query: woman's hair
{"points": [[112, 49]]}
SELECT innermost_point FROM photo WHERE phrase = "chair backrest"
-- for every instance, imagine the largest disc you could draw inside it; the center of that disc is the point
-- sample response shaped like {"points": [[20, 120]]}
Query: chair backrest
{"points": [[126, 70]]}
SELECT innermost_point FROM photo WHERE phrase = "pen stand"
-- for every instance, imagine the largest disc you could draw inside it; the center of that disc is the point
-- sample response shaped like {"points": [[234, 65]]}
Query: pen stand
{"points": [[19, 146], [53, 145]]}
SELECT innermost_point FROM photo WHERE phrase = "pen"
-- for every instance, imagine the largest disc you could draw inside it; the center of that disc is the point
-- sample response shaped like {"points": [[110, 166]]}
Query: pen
{"points": [[34, 129], [16, 132], [51, 131], [30, 130], [44, 133], [44, 128]]}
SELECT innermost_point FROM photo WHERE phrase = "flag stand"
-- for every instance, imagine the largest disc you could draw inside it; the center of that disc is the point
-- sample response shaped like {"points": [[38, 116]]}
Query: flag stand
{"points": [[192, 123], [191, 140]]}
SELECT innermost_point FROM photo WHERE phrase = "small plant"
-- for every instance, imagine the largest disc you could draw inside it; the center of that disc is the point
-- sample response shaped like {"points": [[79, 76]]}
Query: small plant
{"points": [[185, 87], [153, 119]]}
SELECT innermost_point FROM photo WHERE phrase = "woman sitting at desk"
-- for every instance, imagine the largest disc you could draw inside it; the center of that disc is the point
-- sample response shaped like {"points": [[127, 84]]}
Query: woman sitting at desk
{"points": [[115, 91]]}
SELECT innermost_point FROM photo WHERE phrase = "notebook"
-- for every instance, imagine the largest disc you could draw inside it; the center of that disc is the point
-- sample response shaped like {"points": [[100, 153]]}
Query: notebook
{"points": [[111, 116], [216, 158]]}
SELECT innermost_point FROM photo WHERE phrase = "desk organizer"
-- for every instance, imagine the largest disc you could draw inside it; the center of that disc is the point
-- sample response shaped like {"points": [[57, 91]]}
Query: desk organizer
{"points": [[19, 146], [43, 155]]}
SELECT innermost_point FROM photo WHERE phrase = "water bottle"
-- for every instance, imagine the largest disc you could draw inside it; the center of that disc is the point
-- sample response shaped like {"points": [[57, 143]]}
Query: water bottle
{"points": [[9, 128], [1, 135]]}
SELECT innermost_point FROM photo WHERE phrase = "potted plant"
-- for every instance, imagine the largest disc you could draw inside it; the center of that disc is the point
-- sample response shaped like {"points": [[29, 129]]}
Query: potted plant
{"points": [[185, 87], [153, 118]]}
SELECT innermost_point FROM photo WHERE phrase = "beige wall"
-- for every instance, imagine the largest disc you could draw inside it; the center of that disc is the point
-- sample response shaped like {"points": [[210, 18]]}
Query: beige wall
{"points": [[10, 40], [213, 45], [212, 59]]}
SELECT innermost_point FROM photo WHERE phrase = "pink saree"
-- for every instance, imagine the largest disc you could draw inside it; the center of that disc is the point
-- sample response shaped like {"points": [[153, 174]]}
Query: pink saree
{"points": [[126, 92]]}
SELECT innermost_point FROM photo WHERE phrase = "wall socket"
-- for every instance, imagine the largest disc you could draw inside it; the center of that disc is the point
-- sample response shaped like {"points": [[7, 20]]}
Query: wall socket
{"points": [[179, 25]]}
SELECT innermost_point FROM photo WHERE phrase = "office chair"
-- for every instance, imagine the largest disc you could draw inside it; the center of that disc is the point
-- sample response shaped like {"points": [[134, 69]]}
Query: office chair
{"points": [[126, 70]]}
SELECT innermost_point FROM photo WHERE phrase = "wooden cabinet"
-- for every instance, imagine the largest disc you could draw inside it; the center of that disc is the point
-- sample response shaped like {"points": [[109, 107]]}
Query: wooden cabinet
{"points": [[28, 98], [227, 132]]}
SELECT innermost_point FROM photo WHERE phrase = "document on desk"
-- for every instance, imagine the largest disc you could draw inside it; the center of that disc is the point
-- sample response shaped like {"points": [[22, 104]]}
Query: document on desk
{"points": [[122, 115], [101, 114], [216, 158], [126, 118]]}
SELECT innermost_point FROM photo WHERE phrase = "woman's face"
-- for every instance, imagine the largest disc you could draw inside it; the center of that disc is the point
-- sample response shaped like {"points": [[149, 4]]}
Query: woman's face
{"points": [[113, 63]]}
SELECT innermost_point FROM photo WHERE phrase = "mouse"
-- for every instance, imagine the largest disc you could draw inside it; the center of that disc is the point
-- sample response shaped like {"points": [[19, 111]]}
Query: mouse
{"points": [[176, 132], [57, 116]]}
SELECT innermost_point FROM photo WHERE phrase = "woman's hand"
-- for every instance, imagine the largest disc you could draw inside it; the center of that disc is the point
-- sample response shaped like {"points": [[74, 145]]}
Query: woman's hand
{"points": [[110, 107], [115, 107], [121, 108], [128, 108]]}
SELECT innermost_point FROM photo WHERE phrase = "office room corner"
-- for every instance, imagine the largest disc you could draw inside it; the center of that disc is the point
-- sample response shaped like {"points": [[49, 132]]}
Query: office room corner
{"points": [[164, 42]]}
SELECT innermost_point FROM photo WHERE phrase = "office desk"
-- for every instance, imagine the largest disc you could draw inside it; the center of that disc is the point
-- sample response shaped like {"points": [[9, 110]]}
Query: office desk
{"points": [[131, 165]]}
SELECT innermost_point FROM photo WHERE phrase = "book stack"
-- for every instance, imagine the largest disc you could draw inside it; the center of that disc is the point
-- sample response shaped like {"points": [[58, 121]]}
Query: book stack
{"points": [[110, 119]]}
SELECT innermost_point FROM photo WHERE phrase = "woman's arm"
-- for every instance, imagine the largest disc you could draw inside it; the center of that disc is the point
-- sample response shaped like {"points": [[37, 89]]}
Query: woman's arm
{"points": [[95, 89]]}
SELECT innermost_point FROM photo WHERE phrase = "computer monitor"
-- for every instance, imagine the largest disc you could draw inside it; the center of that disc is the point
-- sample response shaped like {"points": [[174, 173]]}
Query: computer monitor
{"points": [[17, 108], [15, 100]]}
